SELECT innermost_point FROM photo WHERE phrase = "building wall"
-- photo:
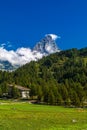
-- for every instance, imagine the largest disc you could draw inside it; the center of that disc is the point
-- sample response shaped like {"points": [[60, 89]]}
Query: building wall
{"points": [[25, 94]]}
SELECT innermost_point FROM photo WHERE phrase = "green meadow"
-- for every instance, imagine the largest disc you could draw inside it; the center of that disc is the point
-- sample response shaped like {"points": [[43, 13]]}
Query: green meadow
{"points": [[25, 116]]}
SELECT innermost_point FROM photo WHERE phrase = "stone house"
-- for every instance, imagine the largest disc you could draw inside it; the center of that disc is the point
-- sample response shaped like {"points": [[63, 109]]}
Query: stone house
{"points": [[24, 92]]}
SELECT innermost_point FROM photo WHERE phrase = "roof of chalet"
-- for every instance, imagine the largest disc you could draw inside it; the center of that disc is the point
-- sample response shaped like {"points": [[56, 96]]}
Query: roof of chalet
{"points": [[20, 87]]}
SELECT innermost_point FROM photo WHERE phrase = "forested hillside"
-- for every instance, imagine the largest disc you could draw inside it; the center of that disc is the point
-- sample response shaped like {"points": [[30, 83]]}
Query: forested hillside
{"points": [[58, 79]]}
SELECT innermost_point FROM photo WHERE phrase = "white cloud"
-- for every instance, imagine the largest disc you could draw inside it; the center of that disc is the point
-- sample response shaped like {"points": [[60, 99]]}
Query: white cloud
{"points": [[6, 45], [54, 36], [9, 44], [3, 44], [20, 56]]}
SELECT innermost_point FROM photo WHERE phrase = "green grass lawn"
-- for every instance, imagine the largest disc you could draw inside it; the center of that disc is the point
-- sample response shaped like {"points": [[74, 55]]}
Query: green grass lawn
{"points": [[25, 116]]}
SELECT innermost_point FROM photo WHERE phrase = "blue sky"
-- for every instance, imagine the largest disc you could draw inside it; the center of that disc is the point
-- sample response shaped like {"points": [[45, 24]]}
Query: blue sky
{"points": [[25, 22]]}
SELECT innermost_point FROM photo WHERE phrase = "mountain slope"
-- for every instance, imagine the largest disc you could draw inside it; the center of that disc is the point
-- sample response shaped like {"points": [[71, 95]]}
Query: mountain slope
{"points": [[58, 79]]}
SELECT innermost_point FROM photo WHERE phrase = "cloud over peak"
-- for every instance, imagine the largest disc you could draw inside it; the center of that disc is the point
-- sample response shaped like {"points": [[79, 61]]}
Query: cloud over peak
{"points": [[53, 36]]}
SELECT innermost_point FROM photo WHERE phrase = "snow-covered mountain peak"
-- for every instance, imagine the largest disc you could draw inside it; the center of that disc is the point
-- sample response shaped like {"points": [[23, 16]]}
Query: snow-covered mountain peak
{"points": [[47, 44]]}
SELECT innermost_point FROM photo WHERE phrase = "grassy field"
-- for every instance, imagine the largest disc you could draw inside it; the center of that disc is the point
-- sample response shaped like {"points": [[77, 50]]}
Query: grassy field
{"points": [[25, 116]]}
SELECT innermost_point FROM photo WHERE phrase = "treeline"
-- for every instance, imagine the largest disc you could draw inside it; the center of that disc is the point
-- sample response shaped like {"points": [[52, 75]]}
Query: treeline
{"points": [[58, 79]]}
